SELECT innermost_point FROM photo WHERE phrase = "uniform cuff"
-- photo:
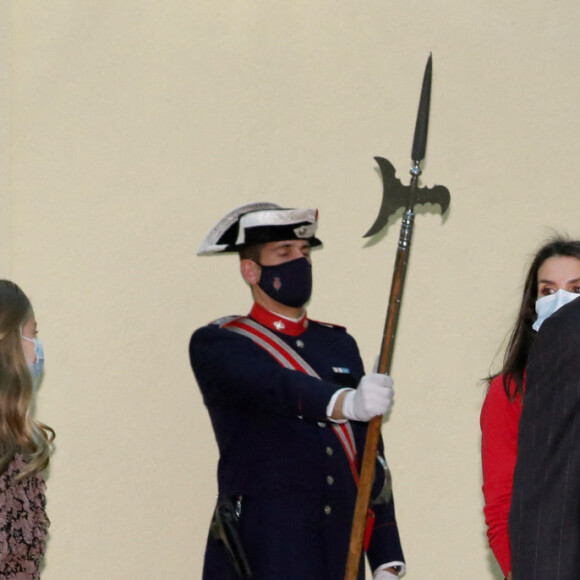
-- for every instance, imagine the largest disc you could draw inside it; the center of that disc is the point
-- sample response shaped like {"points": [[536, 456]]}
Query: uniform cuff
{"points": [[399, 564], [332, 402]]}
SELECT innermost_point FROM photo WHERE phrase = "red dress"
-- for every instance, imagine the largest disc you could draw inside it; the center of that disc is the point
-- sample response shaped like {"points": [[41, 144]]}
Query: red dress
{"points": [[499, 421]]}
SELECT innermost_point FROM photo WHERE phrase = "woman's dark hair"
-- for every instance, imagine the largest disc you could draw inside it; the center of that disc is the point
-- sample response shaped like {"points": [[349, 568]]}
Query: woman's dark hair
{"points": [[522, 335]]}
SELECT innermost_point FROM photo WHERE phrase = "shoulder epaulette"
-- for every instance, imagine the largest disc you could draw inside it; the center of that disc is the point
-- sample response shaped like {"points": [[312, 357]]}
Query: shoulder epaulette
{"points": [[224, 320], [328, 324]]}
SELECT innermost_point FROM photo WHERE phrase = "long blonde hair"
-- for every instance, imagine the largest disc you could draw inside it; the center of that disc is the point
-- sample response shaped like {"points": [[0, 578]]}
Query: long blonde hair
{"points": [[19, 432]]}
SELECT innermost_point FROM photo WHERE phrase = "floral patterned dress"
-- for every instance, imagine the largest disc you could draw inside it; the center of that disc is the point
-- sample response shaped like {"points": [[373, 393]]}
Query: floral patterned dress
{"points": [[23, 523]]}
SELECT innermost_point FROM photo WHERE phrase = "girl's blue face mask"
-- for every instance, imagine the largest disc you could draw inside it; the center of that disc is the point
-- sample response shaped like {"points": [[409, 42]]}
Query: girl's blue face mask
{"points": [[37, 367]]}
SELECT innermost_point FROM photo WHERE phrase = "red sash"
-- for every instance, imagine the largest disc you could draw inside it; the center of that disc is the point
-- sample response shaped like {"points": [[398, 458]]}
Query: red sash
{"points": [[287, 357]]}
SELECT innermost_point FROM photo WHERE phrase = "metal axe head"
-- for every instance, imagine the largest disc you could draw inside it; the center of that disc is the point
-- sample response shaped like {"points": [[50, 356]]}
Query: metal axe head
{"points": [[395, 194]]}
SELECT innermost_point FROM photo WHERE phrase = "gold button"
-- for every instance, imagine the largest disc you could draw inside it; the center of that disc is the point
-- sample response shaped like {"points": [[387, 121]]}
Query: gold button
{"points": [[329, 479], [327, 510], [329, 451]]}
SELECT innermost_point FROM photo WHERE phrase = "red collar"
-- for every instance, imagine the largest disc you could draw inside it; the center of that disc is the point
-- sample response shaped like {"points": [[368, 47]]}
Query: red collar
{"points": [[278, 323]]}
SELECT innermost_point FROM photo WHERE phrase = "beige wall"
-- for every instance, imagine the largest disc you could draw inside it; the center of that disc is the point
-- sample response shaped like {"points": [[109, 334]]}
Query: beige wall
{"points": [[5, 127], [127, 128]]}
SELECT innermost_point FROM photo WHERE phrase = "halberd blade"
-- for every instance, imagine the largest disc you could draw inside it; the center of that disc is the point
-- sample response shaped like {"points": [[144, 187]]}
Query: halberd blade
{"points": [[395, 196], [422, 124], [438, 195]]}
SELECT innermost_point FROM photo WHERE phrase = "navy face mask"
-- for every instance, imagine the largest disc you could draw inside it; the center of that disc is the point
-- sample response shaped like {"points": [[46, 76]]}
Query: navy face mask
{"points": [[289, 283]]}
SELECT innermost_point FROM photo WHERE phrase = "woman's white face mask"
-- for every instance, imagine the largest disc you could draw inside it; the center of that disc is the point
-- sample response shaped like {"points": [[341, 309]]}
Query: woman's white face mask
{"points": [[547, 305]]}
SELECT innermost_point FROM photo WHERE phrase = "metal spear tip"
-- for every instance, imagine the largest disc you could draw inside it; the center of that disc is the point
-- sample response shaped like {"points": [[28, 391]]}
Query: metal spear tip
{"points": [[422, 124]]}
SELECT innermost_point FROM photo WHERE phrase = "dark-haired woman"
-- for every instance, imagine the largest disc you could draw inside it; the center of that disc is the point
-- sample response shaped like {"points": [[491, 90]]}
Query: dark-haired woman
{"points": [[24, 442], [553, 280]]}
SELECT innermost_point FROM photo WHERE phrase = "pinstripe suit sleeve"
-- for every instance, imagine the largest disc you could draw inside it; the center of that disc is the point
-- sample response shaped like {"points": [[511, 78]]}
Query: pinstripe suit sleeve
{"points": [[544, 520]]}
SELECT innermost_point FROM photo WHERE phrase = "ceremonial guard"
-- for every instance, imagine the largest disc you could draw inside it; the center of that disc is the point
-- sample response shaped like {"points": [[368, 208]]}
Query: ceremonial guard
{"points": [[289, 403]]}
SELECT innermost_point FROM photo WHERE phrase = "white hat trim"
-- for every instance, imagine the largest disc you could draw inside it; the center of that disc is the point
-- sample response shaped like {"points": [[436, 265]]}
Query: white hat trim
{"points": [[210, 246]]}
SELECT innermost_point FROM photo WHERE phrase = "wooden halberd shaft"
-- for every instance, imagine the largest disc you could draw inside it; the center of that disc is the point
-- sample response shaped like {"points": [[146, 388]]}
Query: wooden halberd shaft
{"points": [[374, 429]]}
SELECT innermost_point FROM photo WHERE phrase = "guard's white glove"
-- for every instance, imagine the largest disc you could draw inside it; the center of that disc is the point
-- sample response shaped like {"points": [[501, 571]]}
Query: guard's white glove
{"points": [[373, 396], [384, 575]]}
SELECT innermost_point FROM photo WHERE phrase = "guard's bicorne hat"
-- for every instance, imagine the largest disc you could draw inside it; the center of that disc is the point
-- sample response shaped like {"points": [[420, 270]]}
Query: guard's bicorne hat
{"points": [[258, 223]]}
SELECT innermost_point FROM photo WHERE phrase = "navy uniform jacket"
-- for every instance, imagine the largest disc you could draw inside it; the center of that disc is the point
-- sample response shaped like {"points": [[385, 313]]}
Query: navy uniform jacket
{"points": [[278, 451]]}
